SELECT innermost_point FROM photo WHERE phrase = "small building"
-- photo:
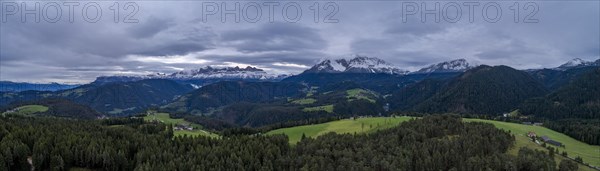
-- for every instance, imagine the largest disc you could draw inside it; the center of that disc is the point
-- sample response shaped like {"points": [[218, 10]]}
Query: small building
{"points": [[545, 138], [550, 141], [538, 124], [527, 123], [531, 134], [180, 127], [556, 143]]}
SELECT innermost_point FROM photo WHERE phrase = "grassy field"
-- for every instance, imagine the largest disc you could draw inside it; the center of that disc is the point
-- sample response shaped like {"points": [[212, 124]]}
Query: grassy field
{"points": [[326, 108], [28, 110], [164, 118], [360, 94], [304, 101], [589, 153], [359, 125]]}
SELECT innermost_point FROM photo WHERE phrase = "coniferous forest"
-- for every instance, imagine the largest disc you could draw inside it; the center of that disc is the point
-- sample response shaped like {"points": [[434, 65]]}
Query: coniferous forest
{"points": [[432, 143]]}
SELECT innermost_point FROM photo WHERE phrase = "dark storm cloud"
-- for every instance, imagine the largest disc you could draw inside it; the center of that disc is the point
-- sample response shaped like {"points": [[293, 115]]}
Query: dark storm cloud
{"points": [[275, 37]]}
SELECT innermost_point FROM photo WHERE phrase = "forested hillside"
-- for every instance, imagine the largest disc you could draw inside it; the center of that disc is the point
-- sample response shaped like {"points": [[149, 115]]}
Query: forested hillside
{"points": [[578, 99], [432, 143], [554, 79], [225, 93], [484, 90], [58, 108]]}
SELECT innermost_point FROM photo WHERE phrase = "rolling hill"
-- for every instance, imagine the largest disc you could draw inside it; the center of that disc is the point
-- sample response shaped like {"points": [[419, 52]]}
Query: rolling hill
{"points": [[367, 125], [52, 107]]}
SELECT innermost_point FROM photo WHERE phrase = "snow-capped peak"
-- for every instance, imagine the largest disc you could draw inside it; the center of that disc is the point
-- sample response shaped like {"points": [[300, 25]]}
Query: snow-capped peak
{"points": [[577, 62], [458, 65], [358, 64]]}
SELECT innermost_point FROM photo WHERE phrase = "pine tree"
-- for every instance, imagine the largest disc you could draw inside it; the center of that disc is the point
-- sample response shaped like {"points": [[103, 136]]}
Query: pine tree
{"points": [[3, 164], [57, 163]]}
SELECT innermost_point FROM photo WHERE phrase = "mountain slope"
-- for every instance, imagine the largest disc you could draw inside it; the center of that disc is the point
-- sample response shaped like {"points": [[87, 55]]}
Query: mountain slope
{"points": [[553, 79], [578, 99], [484, 90], [224, 93], [129, 97], [406, 98]]}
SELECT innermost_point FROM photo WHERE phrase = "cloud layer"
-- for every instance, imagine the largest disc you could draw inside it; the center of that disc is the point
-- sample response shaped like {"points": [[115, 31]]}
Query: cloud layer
{"points": [[171, 36]]}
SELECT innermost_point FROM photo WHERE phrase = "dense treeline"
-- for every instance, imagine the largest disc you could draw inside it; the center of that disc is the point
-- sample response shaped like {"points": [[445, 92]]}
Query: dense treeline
{"points": [[432, 143], [587, 131]]}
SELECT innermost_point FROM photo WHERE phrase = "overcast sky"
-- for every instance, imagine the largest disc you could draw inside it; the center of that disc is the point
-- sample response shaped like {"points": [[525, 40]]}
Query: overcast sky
{"points": [[174, 36]]}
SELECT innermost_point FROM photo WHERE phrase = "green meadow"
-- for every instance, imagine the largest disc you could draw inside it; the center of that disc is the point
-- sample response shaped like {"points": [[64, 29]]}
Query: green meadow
{"points": [[358, 125], [165, 118], [28, 110], [589, 153], [326, 108]]}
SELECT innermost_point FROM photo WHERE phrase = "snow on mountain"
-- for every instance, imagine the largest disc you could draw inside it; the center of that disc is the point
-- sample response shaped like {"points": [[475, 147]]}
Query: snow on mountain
{"points": [[577, 62], [358, 64], [209, 72], [458, 65], [204, 73]]}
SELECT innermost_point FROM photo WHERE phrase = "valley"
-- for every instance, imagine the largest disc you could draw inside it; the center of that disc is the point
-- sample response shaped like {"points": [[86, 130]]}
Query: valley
{"points": [[349, 109]]}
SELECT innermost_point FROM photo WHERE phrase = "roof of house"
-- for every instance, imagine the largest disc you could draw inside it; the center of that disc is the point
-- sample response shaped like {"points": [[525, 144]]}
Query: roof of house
{"points": [[545, 138], [554, 142]]}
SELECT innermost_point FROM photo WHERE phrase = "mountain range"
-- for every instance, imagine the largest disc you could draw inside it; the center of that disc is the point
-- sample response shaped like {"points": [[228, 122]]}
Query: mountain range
{"points": [[202, 76], [451, 86]]}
